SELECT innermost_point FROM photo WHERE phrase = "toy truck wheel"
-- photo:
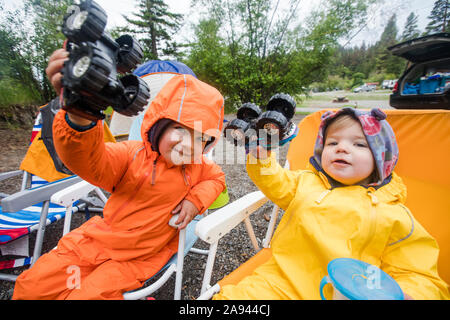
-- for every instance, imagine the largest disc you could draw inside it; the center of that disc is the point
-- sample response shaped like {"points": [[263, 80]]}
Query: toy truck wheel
{"points": [[283, 103], [87, 69], [273, 123], [235, 131], [248, 111], [135, 97], [85, 22], [130, 53]]}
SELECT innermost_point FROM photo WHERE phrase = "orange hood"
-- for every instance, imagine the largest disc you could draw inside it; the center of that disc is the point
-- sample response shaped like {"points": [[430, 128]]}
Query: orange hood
{"points": [[188, 101]]}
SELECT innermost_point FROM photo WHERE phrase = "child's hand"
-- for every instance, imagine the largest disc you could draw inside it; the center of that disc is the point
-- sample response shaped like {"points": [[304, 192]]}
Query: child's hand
{"points": [[53, 71], [55, 64], [260, 153], [187, 211]]}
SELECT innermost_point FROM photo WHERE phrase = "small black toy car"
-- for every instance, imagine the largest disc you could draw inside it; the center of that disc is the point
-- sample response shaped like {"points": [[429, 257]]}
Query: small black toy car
{"points": [[270, 128]]}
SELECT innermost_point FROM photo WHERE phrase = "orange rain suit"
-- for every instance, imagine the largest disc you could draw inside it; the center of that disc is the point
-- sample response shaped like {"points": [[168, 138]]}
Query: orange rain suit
{"points": [[106, 257]]}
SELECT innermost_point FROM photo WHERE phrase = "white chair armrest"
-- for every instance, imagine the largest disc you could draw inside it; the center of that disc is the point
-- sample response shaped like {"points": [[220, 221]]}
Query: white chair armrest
{"points": [[71, 194], [214, 226], [10, 174]]}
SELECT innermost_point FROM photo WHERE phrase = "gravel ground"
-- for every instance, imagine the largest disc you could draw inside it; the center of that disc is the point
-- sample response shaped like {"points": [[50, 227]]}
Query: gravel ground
{"points": [[234, 248]]}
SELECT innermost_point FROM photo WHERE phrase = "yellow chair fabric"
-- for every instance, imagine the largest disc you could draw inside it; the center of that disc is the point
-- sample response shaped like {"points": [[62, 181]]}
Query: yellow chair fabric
{"points": [[38, 161]]}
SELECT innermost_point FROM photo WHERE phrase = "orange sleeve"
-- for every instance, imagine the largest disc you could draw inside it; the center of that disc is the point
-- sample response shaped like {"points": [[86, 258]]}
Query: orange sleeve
{"points": [[86, 154], [212, 183]]}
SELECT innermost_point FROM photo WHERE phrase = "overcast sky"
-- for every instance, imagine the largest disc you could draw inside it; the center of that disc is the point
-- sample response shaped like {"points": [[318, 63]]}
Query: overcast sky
{"points": [[375, 23]]}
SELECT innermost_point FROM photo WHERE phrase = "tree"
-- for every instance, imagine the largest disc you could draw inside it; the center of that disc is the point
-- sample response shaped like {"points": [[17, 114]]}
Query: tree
{"points": [[262, 51], [211, 58], [17, 81], [27, 38], [411, 30], [439, 17], [386, 62], [47, 18], [154, 26], [358, 79]]}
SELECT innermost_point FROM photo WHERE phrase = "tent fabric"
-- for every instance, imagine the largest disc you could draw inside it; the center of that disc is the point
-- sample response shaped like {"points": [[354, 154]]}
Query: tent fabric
{"points": [[157, 66]]}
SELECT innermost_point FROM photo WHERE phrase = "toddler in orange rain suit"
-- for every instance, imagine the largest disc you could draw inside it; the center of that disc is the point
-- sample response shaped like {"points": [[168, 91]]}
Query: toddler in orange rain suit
{"points": [[147, 182]]}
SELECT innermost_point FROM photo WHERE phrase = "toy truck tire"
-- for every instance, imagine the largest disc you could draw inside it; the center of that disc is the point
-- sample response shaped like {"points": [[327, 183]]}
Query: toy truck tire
{"points": [[130, 53], [85, 23], [136, 92], [282, 103], [248, 111]]}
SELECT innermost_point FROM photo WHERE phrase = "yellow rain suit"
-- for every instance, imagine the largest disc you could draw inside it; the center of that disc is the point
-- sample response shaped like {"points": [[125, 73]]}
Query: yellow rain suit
{"points": [[322, 223]]}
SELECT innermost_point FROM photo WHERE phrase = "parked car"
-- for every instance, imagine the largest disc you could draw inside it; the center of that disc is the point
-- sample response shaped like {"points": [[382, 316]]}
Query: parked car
{"points": [[425, 84], [363, 88], [389, 84]]}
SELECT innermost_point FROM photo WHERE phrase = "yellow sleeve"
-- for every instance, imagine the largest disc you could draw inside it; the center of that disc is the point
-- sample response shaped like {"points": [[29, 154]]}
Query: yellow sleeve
{"points": [[277, 183], [412, 262]]}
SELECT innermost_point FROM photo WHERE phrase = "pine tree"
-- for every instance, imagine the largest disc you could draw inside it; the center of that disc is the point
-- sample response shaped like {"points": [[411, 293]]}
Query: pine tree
{"points": [[385, 61], [411, 30], [154, 25], [439, 18]]}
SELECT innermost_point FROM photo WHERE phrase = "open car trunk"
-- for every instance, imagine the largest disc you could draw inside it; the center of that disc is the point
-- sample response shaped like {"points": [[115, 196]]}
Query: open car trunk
{"points": [[426, 82]]}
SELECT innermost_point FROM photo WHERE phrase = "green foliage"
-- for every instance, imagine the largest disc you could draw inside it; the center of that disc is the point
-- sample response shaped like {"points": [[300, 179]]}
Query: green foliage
{"points": [[154, 25], [357, 79], [251, 50], [385, 60], [332, 82], [27, 38], [13, 92], [374, 63], [47, 18], [439, 17], [411, 30]]}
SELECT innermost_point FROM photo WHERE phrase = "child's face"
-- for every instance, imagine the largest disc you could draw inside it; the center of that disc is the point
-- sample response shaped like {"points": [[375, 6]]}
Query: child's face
{"points": [[346, 156], [181, 145]]}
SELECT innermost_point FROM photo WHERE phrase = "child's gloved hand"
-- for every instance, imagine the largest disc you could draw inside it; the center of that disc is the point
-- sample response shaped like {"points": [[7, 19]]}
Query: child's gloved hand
{"points": [[187, 211], [255, 141], [259, 152]]}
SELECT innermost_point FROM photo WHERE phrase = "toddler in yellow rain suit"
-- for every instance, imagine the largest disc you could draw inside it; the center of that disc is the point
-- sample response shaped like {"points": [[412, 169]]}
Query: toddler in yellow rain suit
{"points": [[348, 204]]}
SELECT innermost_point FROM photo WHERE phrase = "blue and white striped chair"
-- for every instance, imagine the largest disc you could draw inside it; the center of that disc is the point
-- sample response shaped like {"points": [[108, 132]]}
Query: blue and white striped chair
{"points": [[14, 225], [31, 210], [27, 211]]}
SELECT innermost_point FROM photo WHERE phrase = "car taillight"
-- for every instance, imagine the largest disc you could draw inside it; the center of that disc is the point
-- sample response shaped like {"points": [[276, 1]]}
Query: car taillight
{"points": [[395, 87]]}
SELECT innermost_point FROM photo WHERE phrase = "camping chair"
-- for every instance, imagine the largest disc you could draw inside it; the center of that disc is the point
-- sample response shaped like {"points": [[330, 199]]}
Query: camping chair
{"points": [[187, 239], [424, 143], [156, 73], [31, 209]]}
